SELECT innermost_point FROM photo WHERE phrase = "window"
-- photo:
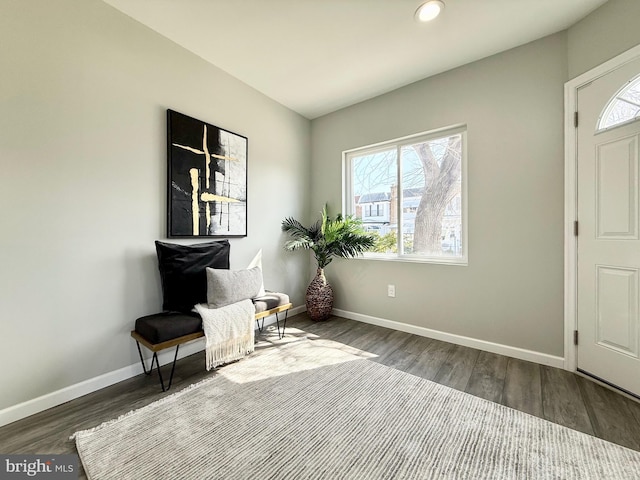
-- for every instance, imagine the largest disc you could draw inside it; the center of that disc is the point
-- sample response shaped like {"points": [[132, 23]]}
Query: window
{"points": [[623, 108], [419, 186]]}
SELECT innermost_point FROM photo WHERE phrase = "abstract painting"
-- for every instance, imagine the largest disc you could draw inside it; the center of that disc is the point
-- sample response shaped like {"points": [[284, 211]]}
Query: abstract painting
{"points": [[207, 179]]}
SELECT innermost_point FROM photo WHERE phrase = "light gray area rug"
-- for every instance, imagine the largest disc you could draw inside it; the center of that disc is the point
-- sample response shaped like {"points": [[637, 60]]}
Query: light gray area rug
{"points": [[310, 410]]}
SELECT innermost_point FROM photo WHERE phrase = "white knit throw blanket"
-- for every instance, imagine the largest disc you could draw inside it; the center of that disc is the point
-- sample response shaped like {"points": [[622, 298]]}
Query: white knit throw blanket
{"points": [[229, 331]]}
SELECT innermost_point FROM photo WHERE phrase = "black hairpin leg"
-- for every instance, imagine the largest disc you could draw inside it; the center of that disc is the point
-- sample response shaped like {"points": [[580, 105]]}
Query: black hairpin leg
{"points": [[284, 323], [260, 327], [155, 360], [173, 369]]}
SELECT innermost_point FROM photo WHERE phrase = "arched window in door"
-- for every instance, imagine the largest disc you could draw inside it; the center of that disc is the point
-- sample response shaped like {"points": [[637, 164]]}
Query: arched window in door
{"points": [[624, 106]]}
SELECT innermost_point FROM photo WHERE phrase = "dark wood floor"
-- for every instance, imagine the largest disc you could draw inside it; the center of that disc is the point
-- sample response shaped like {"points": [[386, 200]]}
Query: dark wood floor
{"points": [[546, 392]]}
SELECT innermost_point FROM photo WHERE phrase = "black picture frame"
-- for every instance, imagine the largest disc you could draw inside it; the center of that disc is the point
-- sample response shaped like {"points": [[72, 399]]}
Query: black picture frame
{"points": [[207, 179]]}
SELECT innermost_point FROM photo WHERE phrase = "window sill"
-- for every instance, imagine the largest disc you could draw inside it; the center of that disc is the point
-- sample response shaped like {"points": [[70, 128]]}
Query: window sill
{"points": [[454, 261]]}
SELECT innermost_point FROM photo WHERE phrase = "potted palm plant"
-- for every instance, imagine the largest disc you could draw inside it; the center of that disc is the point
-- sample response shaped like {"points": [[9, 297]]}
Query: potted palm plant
{"points": [[342, 236]]}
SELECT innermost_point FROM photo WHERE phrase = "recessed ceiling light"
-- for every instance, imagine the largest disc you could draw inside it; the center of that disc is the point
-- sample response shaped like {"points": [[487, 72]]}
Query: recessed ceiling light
{"points": [[429, 10]]}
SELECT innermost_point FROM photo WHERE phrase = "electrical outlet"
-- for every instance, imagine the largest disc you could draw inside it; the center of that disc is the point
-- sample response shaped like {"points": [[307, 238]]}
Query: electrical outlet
{"points": [[391, 290]]}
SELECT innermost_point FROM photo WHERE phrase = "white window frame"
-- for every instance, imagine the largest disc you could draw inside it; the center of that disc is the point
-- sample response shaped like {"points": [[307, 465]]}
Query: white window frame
{"points": [[349, 208]]}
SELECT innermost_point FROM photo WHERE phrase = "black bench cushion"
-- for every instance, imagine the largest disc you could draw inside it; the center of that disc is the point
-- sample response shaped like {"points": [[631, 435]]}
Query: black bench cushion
{"points": [[164, 326], [161, 327], [269, 301]]}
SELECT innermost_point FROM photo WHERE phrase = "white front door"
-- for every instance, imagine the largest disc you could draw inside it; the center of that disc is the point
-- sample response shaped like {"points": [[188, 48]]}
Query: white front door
{"points": [[608, 260]]}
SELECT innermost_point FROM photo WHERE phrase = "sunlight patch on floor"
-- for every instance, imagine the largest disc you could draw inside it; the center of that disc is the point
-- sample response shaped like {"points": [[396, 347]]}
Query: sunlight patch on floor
{"points": [[291, 355]]}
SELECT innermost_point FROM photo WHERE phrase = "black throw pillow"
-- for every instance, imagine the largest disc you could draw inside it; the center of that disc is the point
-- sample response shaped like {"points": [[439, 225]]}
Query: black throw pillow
{"points": [[183, 272]]}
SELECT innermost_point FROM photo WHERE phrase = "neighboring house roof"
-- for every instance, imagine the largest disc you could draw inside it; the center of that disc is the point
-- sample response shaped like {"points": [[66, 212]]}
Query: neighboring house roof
{"points": [[412, 192], [386, 196], [374, 197]]}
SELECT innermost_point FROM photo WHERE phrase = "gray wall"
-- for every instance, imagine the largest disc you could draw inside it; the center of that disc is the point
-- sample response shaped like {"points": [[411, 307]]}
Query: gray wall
{"points": [[83, 95], [512, 291], [605, 33]]}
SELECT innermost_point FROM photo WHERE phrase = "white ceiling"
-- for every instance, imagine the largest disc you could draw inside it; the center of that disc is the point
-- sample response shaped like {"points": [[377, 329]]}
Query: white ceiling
{"points": [[317, 56]]}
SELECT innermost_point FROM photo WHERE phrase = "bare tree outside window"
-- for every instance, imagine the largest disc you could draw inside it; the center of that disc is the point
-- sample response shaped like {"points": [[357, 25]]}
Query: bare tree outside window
{"points": [[410, 194], [440, 172]]}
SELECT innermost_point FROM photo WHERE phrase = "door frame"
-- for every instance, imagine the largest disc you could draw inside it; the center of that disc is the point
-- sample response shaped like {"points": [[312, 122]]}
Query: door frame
{"points": [[571, 196]]}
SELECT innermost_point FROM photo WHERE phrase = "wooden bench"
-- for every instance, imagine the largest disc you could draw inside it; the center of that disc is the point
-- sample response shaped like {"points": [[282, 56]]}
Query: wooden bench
{"points": [[157, 332]]}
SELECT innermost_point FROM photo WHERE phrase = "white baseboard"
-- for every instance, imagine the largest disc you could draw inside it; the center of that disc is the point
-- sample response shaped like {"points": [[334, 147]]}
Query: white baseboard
{"points": [[509, 351], [39, 404], [44, 402]]}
